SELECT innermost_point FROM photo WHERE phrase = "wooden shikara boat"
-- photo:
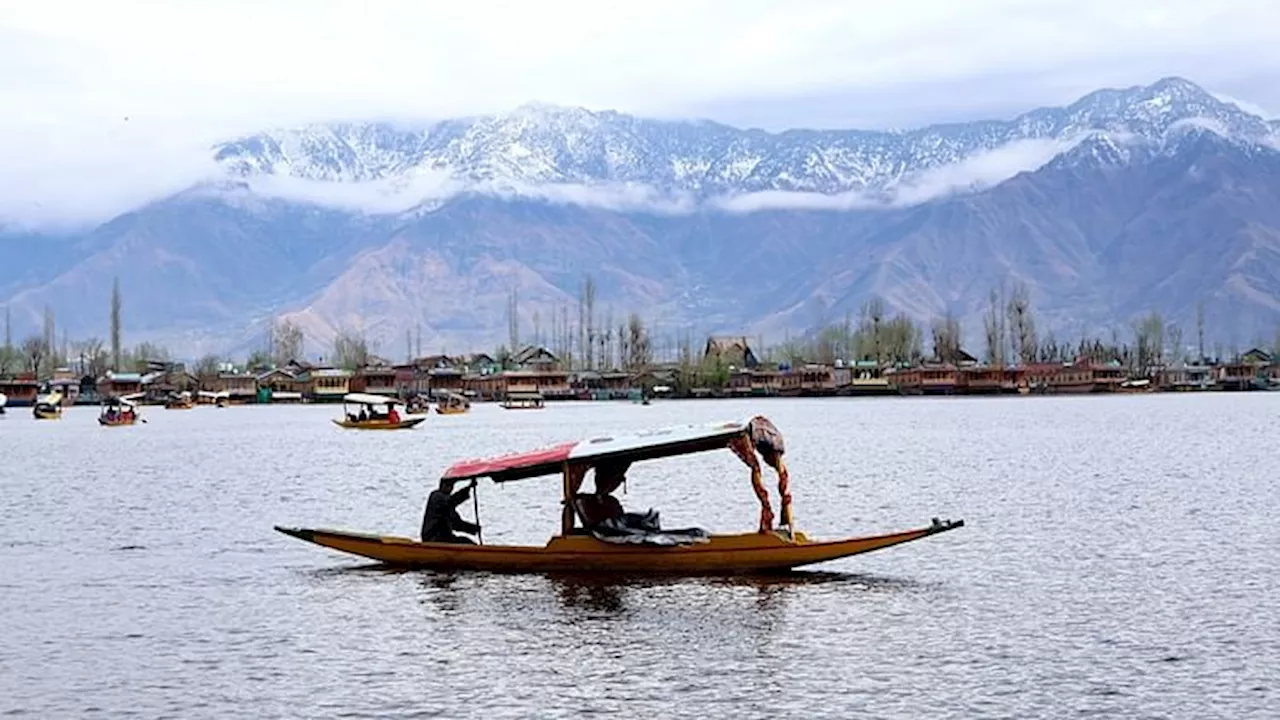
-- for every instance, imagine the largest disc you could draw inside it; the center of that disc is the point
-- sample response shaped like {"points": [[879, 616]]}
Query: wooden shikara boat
{"points": [[371, 418], [180, 401], [578, 549], [453, 404], [48, 407], [118, 412], [219, 399]]}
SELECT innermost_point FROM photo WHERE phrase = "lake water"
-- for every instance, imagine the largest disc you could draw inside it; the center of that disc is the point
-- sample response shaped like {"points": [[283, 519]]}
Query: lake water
{"points": [[1120, 559]]}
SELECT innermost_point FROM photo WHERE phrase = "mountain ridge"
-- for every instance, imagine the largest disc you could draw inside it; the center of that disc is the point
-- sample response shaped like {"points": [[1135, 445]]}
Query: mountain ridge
{"points": [[699, 226], [539, 144]]}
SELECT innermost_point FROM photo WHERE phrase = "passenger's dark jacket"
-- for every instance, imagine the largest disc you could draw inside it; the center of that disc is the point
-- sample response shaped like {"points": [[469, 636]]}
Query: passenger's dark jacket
{"points": [[441, 519]]}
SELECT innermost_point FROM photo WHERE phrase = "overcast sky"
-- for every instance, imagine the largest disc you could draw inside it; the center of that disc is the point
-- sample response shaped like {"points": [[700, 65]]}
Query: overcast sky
{"points": [[187, 73]]}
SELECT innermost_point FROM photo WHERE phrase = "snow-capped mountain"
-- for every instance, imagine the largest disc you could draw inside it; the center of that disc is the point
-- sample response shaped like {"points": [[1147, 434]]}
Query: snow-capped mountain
{"points": [[1157, 197], [540, 144]]}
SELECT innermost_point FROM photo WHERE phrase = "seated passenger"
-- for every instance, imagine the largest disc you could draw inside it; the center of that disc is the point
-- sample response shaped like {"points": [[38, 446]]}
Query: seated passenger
{"points": [[597, 507]]}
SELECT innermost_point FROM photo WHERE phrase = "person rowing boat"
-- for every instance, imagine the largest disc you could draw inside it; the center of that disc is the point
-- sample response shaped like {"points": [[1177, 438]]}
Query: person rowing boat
{"points": [[440, 519]]}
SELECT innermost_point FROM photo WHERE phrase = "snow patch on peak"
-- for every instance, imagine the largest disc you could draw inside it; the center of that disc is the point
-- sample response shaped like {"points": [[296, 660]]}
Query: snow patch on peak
{"points": [[684, 163]]}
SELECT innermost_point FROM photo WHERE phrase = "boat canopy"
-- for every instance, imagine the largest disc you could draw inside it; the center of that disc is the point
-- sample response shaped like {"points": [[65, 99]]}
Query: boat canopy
{"points": [[52, 398], [369, 399], [573, 459], [208, 394], [118, 402]]}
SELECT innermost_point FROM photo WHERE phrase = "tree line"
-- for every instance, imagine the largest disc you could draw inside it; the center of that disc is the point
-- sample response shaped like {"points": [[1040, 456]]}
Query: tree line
{"points": [[1012, 335], [584, 336]]}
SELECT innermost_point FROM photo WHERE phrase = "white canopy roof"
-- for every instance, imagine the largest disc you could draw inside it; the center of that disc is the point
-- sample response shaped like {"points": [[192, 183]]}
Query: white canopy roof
{"points": [[368, 399]]}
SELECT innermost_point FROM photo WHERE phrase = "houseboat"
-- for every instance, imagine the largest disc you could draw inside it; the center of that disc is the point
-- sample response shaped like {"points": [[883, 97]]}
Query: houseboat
{"points": [[930, 379], [866, 377], [20, 392]]}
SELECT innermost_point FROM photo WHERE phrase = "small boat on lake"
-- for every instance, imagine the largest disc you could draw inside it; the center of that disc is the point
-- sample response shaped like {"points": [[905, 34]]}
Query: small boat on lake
{"points": [[375, 413], [118, 412], [452, 403], [48, 407], [523, 401], [593, 540], [217, 399], [180, 401], [4, 400]]}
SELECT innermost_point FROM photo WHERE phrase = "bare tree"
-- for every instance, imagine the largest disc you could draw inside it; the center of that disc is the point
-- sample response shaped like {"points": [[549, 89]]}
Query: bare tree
{"points": [[868, 339], [639, 345], [350, 349], [50, 347], [1177, 352], [286, 342], [513, 320], [9, 359], [586, 321], [993, 330], [206, 368], [92, 360], [570, 359], [946, 338], [1022, 325], [116, 303], [1200, 330], [1149, 341], [609, 359], [35, 353]]}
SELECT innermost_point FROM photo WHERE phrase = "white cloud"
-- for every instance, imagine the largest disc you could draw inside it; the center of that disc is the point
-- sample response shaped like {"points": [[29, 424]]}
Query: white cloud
{"points": [[1245, 105], [193, 73], [65, 178], [388, 196], [423, 191], [978, 171], [621, 197], [1198, 123]]}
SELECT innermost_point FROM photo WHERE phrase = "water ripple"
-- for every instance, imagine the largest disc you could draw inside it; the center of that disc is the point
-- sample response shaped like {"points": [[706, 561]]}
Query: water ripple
{"points": [[1119, 561]]}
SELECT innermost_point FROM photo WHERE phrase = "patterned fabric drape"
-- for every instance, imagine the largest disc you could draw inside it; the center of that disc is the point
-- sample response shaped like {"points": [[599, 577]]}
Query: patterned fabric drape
{"points": [[745, 450], [766, 439]]}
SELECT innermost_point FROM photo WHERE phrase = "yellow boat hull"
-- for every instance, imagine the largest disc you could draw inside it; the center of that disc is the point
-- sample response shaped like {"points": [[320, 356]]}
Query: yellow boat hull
{"points": [[723, 554], [450, 411], [46, 415], [379, 425]]}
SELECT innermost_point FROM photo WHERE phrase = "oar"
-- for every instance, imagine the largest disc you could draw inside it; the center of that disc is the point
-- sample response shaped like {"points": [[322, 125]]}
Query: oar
{"points": [[475, 506]]}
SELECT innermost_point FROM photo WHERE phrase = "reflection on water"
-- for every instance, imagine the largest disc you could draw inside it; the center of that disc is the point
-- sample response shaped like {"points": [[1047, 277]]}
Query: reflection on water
{"points": [[1118, 561]]}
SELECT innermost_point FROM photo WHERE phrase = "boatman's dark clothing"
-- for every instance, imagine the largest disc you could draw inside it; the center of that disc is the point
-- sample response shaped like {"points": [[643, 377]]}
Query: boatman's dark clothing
{"points": [[441, 519]]}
